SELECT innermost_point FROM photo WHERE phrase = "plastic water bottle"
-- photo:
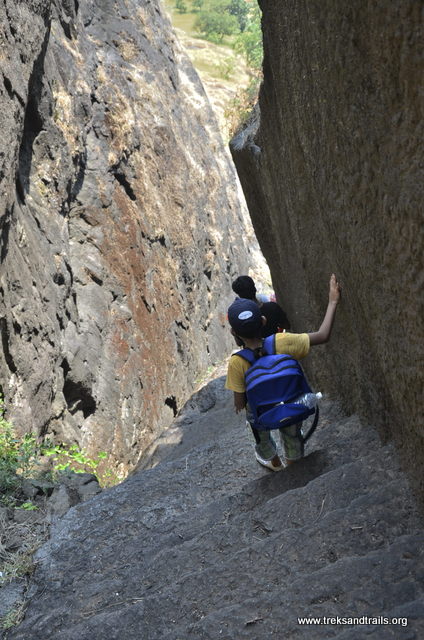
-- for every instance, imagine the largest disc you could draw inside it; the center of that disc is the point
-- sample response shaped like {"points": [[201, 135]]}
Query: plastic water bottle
{"points": [[310, 400]]}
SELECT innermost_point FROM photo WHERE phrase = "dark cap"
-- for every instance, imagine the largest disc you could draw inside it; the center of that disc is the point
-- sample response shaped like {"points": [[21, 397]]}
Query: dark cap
{"points": [[245, 318]]}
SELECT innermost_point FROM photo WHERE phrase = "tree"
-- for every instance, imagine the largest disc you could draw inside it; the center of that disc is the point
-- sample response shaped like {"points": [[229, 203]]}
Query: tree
{"points": [[239, 9], [249, 43], [219, 18], [215, 21], [181, 6]]}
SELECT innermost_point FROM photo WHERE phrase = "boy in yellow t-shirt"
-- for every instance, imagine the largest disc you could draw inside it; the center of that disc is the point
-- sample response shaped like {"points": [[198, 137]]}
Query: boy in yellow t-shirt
{"points": [[246, 323]]}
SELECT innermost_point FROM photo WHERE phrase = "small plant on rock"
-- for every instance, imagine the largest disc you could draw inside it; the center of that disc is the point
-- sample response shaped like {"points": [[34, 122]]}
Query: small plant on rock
{"points": [[19, 457], [25, 458], [72, 458], [13, 617]]}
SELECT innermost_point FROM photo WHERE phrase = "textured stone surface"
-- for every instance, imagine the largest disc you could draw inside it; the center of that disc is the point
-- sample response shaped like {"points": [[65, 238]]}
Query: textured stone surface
{"points": [[332, 172], [121, 227], [208, 544]]}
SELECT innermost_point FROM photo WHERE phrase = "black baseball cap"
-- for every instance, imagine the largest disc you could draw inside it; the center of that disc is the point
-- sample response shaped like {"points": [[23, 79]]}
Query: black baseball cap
{"points": [[245, 318]]}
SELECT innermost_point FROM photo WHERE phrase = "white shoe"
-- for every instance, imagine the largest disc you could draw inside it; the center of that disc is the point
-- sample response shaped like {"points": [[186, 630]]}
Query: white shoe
{"points": [[274, 464]]}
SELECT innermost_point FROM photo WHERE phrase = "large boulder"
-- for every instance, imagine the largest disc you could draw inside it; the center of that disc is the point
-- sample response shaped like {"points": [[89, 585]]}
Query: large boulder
{"points": [[331, 167], [121, 227]]}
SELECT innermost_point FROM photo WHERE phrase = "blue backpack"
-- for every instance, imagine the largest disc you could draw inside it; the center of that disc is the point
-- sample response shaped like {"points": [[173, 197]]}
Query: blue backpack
{"points": [[273, 383]]}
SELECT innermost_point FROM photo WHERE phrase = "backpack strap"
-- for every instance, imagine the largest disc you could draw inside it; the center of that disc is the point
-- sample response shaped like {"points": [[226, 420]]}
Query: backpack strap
{"points": [[268, 345], [312, 428], [247, 354]]}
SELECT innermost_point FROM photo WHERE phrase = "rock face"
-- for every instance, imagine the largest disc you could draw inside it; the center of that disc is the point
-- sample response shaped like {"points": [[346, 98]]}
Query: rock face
{"points": [[120, 224], [332, 175], [208, 544]]}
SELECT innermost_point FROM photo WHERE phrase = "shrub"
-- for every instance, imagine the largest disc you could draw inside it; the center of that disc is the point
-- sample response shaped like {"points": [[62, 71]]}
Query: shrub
{"points": [[19, 457], [72, 458], [239, 110], [249, 43]]}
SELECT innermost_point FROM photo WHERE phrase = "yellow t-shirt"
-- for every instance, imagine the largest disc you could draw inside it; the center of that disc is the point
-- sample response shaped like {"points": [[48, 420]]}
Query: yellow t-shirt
{"points": [[293, 344]]}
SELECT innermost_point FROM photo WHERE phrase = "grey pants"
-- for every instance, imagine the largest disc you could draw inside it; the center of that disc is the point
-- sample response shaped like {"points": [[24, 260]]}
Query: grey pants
{"points": [[290, 438]]}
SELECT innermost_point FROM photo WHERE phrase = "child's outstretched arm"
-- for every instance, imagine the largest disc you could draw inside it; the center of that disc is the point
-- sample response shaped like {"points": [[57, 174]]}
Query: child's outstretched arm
{"points": [[323, 334]]}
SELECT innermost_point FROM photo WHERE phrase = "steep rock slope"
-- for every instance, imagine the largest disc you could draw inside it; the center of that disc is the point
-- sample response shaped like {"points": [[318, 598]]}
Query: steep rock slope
{"points": [[208, 544], [331, 169], [121, 226]]}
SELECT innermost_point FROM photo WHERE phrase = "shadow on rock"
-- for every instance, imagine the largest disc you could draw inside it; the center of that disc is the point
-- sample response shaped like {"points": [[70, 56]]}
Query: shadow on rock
{"points": [[295, 476]]}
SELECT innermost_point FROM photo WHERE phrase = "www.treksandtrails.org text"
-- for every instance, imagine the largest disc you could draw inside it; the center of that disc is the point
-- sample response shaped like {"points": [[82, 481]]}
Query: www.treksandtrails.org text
{"points": [[363, 620]]}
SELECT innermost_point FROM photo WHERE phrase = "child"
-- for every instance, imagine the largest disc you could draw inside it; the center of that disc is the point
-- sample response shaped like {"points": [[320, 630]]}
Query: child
{"points": [[276, 319], [246, 323]]}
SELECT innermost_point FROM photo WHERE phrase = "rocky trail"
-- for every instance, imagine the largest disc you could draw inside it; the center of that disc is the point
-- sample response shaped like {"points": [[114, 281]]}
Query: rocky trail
{"points": [[207, 544]]}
